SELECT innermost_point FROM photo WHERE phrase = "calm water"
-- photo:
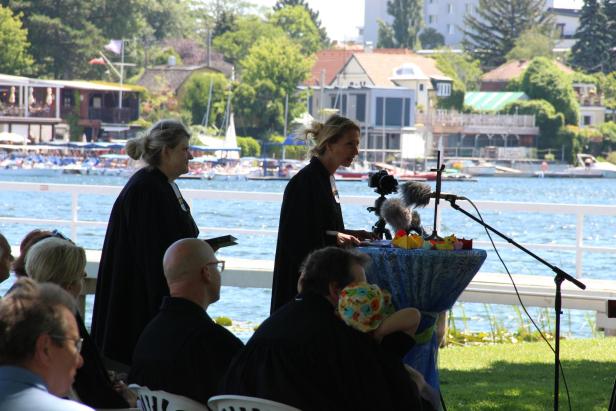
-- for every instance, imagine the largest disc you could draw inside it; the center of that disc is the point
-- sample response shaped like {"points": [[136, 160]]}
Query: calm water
{"points": [[250, 306]]}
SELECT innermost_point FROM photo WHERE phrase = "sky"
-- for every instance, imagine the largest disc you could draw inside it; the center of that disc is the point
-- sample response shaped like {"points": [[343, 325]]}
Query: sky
{"points": [[340, 17]]}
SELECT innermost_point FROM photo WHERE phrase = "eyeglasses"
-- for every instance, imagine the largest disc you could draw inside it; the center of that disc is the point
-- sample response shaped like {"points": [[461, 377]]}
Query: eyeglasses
{"points": [[78, 341], [220, 265]]}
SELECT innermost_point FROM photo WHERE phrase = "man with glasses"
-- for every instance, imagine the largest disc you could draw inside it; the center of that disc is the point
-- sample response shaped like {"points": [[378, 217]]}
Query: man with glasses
{"points": [[182, 350], [39, 348]]}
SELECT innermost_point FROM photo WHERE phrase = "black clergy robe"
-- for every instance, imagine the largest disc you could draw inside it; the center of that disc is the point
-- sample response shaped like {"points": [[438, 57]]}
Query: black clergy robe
{"points": [[183, 351], [147, 217], [309, 209], [306, 357], [92, 383]]}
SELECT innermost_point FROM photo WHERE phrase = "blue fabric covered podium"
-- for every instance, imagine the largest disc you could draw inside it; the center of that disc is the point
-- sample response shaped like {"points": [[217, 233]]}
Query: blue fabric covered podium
{"points": [[429, 280]]}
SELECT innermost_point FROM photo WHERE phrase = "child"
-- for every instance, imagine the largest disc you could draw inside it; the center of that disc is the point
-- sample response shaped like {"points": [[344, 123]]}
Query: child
{"points": [[367, 308]]}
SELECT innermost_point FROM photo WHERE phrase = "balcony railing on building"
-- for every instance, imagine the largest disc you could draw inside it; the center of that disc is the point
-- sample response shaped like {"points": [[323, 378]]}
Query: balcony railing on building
{"points": [[113, 115], [455, 119]]}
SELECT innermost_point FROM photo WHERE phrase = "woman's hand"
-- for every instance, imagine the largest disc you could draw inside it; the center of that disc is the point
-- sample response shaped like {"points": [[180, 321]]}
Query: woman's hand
{"points": [[346, 240], [363, 234]]}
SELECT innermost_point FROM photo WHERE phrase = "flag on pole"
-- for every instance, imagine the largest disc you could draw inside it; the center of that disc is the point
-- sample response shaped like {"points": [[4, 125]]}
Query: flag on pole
{"points": [[97, 60], [114, 46]]}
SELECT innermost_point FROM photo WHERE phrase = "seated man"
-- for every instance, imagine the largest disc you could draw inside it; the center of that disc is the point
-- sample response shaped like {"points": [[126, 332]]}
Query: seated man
{"points": [[304, 355], [182, 350], [39, 348]]}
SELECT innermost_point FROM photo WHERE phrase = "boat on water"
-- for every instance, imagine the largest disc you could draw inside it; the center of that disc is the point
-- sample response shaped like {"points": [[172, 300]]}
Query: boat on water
{"points": [[587, 167], [474, 168]]}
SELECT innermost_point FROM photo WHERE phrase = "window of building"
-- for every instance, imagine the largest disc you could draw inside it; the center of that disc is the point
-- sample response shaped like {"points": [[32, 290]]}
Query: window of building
{"points": [[392, 111], [450, 29], [360, 107], [421, 87], [468, 8], [587, 120], [560, 30], [392, 141], [432, 19], [450, 8], [443, 89]]}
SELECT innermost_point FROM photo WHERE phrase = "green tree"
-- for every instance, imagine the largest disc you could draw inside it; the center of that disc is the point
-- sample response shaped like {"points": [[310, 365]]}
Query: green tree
{"points": [[532, 43], [591, 51], [492, 32], [195, 97], [406, 23], [236, 43], [543, 80], [547, 119], [431, 39], [385, 36], [296, 22], [14, 58], [461, 66], [272, 69], [249, 147], [314, 15]]}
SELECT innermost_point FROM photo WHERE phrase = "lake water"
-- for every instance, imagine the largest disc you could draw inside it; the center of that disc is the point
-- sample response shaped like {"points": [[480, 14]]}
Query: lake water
{"points": [[248, 307]]}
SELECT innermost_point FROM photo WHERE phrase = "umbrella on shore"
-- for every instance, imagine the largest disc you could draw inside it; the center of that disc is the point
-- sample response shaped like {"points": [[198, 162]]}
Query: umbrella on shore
{"points": [[10, 137]]}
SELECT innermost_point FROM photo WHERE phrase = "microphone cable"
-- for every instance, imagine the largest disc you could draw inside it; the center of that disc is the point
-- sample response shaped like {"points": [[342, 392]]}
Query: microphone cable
{"points": [[562, 371]]}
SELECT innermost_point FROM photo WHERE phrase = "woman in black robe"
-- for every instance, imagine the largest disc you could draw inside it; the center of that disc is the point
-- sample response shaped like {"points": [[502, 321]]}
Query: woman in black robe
{"points": [[147, 217], [310, 216]]}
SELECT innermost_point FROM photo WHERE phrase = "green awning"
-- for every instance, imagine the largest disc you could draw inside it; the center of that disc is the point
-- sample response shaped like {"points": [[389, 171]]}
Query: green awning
{"points": [[492, 100]]}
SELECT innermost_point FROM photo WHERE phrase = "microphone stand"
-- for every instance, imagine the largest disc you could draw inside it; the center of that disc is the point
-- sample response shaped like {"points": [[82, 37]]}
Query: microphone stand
{"points": [[439, 171], [379, 228], [558, 280]]}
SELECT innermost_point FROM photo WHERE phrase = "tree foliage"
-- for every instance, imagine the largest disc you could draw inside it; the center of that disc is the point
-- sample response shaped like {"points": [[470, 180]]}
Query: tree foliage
{"points": [[431, 39], [236, 43], [461, 66], [195, 97], [385, 36], [492, 33], [547, 119], [14, 58], [296, 22], [543, 80], [314, 15], [249, 147], [532, 43], [272, 69], [407, 21], [591, 51]]}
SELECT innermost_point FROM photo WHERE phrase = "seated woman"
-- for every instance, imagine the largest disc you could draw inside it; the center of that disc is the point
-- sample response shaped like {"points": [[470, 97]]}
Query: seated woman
{"points": [[33, 237], [61, 262]]}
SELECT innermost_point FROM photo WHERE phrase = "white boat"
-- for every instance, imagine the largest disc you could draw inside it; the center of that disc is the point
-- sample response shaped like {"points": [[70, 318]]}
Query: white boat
{"points": [[478, 168], [587, 167]]}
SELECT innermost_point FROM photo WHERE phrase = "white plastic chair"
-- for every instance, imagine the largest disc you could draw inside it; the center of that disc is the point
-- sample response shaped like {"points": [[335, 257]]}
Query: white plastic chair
{"points": [[242, 403], [159, 400]]}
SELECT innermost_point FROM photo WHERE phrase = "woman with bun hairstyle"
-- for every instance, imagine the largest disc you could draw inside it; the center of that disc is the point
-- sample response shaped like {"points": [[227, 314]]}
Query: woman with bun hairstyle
{"points": [[148, 216], [310, 216]]}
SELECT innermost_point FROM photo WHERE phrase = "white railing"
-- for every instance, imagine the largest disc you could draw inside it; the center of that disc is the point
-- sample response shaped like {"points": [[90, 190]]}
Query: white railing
{"points": [[579, 211]]}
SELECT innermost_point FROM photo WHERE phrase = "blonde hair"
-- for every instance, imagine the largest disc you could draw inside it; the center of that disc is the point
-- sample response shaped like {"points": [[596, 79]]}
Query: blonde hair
{"points": [[165, 133], [56, 261], [331, 131]]}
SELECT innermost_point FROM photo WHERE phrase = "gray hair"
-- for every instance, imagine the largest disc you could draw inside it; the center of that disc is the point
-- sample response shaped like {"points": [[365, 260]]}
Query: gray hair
{"points": [[165, 133], [28, 311], [56, 261], [329, 132]]}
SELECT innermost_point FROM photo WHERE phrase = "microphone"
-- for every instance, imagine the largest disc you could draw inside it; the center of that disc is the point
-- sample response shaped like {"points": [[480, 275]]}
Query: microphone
{"points": [[400, 217], [418, 195]]}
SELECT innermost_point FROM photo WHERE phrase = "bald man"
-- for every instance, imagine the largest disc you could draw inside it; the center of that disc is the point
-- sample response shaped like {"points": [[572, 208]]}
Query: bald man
{"points": [[182, 350]]}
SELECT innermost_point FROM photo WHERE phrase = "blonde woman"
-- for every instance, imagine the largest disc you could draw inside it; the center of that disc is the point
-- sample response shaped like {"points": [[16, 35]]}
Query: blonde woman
{"points": [[59, 261], [148, 216], [310, 216]]}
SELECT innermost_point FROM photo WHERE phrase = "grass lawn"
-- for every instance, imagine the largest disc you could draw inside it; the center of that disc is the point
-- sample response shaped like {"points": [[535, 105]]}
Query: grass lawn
{"points": [[521, 376]]}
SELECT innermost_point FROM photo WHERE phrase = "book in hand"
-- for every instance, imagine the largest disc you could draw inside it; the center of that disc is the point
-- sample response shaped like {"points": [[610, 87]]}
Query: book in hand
{"points": [[222, 241]]}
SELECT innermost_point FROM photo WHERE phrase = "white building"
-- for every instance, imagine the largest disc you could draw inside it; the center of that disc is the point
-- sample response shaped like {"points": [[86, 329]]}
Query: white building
{"points": [[447, 17]]}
